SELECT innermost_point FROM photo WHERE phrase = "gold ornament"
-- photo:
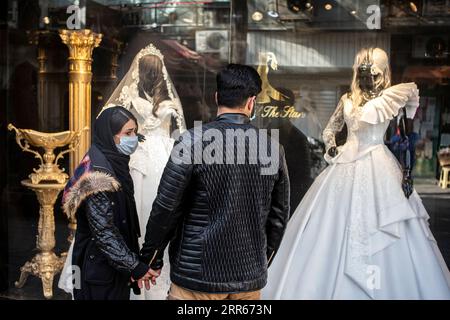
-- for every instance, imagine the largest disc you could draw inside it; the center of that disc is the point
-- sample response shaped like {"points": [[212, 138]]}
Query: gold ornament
{"points": [[47, 182], [49, 169]]}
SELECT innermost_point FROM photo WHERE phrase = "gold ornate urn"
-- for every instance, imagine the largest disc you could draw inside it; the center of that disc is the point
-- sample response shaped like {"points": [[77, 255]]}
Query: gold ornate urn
{"points": [[48, 169], [47, 182]]}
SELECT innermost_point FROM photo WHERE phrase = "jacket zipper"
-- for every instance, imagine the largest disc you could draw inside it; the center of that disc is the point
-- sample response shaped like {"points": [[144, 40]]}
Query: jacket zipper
{"points": [[271, 256], [153, 258]]}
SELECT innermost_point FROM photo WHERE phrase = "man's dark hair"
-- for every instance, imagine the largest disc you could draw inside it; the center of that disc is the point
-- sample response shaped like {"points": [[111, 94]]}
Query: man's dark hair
{"points": [[235, 84]]}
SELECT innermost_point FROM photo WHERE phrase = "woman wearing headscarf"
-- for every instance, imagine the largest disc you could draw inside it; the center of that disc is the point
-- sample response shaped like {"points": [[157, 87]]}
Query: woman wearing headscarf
{"points": [[101, 197]]}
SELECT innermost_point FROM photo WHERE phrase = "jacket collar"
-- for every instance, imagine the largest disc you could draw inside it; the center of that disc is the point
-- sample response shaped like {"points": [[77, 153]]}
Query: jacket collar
{"points": [[238, 118]]}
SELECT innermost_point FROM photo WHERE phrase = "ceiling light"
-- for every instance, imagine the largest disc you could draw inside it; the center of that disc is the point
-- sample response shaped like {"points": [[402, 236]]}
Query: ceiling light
{"points": [[298, 5], [328, 7], [273, 14], [413, 6], [257, 16]]}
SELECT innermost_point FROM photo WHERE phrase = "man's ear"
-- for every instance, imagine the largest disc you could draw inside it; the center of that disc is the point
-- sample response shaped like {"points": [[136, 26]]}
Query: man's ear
{"points": [[215, 98], [250, 103]]}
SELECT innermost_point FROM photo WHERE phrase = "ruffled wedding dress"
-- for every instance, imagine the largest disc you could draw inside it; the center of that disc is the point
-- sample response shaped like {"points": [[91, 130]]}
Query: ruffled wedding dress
{"points": [[355, 235]]}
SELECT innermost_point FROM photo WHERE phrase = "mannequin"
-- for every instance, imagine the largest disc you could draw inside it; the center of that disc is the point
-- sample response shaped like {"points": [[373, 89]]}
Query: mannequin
{"points": [[148, 92], [361, 231]]}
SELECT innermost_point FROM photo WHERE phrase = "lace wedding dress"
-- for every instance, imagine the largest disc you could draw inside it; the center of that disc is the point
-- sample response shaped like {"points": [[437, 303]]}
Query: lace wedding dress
{"points": [[355, 235]]}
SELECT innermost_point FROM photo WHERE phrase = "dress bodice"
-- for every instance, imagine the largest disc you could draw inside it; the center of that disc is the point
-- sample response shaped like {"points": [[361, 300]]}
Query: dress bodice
{"points": [[367, 125], [155, 150], [148, 123], [359, 132]]}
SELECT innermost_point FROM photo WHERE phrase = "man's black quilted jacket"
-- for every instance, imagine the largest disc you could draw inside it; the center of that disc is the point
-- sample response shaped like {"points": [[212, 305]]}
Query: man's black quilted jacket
{"points": [[224, 221]]}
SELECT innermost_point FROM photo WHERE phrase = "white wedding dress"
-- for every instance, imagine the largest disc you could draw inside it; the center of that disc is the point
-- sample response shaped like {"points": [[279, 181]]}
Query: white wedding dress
{"points": [[146, 168], [355, 235]]}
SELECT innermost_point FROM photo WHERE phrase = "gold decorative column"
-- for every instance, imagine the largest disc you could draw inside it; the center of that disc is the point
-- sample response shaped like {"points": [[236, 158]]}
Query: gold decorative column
{"points": [[81, 43]]}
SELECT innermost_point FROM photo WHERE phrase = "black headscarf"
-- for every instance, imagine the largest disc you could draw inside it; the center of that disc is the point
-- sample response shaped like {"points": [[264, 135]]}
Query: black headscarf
{"points": [[103, 140]]}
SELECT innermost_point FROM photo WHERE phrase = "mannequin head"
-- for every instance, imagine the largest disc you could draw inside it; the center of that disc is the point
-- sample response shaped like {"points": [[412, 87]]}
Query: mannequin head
{"points": [[151, 80], [371, 74]]}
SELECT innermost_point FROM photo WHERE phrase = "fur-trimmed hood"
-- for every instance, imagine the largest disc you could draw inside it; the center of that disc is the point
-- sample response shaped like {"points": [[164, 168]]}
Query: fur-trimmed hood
{"points": [[90, 183]]}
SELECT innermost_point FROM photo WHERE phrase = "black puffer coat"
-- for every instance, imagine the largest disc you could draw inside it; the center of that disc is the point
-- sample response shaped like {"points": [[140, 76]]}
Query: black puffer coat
{"points": [[224, 221], [104, 250]]}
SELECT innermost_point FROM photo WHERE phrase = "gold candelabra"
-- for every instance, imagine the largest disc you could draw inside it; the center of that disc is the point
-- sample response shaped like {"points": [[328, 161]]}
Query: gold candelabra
{"points": [[47, 182]]}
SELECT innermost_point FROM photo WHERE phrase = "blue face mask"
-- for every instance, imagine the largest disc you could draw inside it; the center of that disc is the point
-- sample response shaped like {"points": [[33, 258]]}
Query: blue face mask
{"points": [[127, 145]]}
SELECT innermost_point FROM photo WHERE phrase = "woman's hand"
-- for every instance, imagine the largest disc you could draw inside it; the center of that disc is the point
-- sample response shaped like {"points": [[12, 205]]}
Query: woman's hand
{"points": [[150, 276]]}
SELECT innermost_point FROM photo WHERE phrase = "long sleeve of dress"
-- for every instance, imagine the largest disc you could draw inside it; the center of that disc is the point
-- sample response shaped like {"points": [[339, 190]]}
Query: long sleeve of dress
{"points": [[335, 124]]}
